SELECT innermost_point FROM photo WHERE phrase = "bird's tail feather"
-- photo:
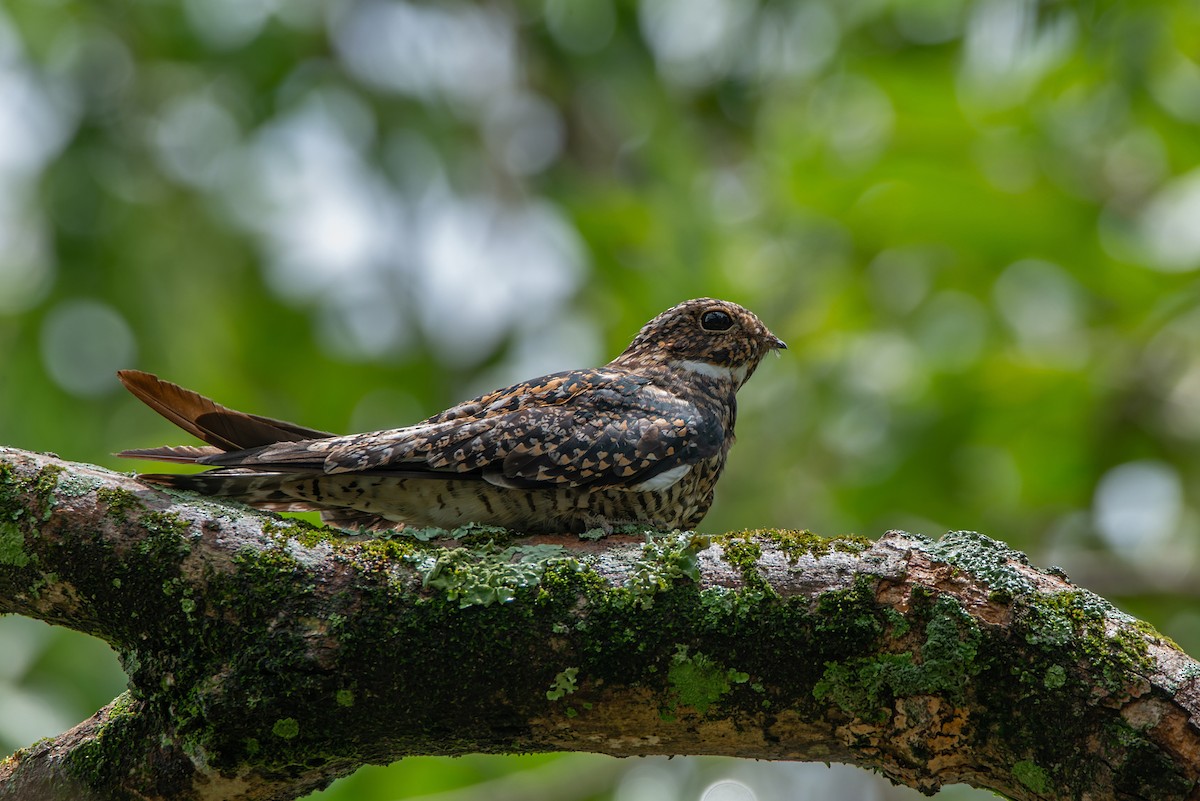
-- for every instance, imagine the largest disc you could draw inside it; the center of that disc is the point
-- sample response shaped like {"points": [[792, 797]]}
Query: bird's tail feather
{"points": [[260, 490], [224, 429], [268, 491], [185, 454]]}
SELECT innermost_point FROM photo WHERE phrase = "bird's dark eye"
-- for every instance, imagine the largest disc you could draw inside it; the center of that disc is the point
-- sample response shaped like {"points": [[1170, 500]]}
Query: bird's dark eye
{"points": [[715, 321]]}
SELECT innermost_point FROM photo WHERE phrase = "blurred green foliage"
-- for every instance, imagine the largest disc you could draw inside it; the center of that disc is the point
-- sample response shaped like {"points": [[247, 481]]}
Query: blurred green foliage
{"points": [[976, 223]]}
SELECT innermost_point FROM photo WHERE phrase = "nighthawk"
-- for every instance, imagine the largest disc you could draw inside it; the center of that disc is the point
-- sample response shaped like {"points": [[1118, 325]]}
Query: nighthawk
{"points": [[641, 440]]}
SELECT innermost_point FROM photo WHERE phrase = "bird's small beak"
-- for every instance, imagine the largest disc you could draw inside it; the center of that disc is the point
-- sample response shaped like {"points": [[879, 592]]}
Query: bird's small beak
{"points": [[777, 343]]}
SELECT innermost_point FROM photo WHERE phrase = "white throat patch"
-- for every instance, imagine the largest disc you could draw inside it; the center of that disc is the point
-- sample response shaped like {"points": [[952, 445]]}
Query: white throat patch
{"points": [[717, 371]]}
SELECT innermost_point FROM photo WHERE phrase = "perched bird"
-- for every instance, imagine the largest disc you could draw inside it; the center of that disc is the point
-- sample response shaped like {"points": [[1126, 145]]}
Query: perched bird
{"points": [[641, 440]]}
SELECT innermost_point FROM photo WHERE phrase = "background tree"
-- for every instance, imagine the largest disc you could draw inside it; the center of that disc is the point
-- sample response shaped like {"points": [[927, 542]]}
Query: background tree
{"points": [[973, 222]]}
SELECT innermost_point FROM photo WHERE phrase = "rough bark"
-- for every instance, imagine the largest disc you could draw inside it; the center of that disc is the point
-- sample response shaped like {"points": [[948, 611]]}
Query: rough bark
{"points": [[267, 657]]}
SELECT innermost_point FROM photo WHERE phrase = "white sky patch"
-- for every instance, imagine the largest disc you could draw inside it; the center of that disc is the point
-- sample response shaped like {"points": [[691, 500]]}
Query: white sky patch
{"points": [[382, 259], [227, 24], [27, 266], [334, 233], [328, 221], [695, 41], [1138, 506], [37, 118], [463, 54], [1008, 46], [484, 269], [796, 40], [1169, 226], [33, 127]]}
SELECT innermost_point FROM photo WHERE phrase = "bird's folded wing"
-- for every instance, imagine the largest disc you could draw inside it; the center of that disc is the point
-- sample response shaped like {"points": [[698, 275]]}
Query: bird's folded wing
{"points": [[566, 444]]}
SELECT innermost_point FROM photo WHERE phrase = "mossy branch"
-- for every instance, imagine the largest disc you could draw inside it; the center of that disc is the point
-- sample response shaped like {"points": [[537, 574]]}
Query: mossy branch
{"points": [[267, 657]]}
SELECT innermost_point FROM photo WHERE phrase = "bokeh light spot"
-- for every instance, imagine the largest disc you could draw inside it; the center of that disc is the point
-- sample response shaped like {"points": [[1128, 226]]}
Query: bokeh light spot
{"points": [[1170, 233], [83, 344], [728, 790], [1138, 506], [581, 27]]}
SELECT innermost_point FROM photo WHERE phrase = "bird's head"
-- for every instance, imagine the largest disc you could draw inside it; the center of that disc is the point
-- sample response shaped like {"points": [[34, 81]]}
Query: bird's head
{"points": [[709, 337]]}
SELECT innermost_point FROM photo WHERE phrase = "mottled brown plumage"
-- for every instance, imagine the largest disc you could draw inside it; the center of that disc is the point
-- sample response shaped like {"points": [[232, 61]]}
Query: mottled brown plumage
{"points": [[641, 440]]}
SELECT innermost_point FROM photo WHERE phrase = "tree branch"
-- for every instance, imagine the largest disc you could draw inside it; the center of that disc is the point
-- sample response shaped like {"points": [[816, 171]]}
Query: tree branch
{"points": [[267, 657]]}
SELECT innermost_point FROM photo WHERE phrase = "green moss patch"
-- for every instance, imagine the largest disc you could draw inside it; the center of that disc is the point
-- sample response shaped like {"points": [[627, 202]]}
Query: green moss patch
{"points": [[307, 534], [12, 545], [698, 681], [1077, 622], [867, 687], [1035, 778], [19, 517], [286, 728], [119, 502], [98, 758], [742, 552], [802, 542]]}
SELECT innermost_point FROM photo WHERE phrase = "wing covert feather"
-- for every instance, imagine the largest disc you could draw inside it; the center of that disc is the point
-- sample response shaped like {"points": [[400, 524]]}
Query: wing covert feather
{"points": [[583, 428]]}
